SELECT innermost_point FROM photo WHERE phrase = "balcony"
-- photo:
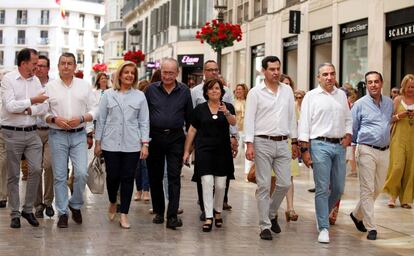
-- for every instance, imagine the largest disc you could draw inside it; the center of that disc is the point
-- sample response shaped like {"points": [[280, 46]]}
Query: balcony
{"points": [[44, 41], [130, 6], [21, 40], [21, 21], [113, 26], [44, 21]]}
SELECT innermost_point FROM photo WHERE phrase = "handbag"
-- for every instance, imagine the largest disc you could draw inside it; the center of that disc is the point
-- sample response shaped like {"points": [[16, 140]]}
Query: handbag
{"points": [[96, 176]]}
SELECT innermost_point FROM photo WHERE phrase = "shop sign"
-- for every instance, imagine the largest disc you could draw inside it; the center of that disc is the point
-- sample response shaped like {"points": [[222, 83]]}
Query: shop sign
{"points": [[321, 36], [290, 43], [354, 29], [191, 60], [153, 64], [294, 22], [400, 31]]}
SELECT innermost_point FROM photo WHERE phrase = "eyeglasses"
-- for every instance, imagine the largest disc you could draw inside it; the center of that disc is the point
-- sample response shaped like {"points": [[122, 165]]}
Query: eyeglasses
{"points": [[212, 70]]}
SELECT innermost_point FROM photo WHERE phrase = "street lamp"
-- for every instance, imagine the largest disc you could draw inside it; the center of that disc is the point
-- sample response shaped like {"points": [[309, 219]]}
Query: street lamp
{"points": [[134, 32], [220, 6], [100, 53]]}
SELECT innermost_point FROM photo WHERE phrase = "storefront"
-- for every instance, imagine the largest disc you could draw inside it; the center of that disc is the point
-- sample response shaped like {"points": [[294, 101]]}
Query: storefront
{"points": [[258, 54], [400, 31], [290, 57], [321, 52], [191, 68], [354, 52]]}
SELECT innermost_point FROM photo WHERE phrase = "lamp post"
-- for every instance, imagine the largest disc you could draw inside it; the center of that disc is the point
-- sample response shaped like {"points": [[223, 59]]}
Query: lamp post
{"points": [[134, 32], [100, 54], [220, 6]]}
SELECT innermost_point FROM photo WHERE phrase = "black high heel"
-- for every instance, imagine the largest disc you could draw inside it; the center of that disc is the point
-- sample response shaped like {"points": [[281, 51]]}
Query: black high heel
{"points": [[218, 221], [208, 226]]}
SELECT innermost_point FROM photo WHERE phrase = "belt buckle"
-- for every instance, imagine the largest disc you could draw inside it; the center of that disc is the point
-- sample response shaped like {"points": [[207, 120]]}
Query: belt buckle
{"points": [[167, 130]]}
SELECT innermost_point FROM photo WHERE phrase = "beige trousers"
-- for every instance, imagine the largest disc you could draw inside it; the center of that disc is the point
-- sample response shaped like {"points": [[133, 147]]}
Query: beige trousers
{"points": [[3, 169], [372, 166]]}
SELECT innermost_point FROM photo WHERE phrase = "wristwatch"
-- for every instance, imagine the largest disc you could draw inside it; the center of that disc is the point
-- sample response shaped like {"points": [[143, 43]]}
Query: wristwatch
{"points": [[53, 120], [303, 150]]}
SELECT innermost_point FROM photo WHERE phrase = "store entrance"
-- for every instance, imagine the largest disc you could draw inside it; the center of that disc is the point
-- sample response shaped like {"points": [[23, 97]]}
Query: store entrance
{"points": [[402, 60], [192, 76]]}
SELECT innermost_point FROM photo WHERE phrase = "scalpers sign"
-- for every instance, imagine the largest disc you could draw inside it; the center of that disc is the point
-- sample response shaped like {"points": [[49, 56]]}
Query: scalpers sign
{"points": [[401, 31]]}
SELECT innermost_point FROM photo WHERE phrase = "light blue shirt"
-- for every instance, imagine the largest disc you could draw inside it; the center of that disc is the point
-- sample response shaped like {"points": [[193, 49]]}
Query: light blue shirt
{"points": [[371, 123], [123, 121]]}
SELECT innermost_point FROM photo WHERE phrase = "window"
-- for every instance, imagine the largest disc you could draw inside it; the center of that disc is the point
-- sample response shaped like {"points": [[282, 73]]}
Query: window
{"points": [[1, 36], [21, 37], [81, 39], [95, 41], [21, 17], [2, 16], [44, 17], [242, 12], [66, 38], [97, 22], [246, 11], [1, 57], [82, 20], [44, 37], [67, 17], [15, 57]]}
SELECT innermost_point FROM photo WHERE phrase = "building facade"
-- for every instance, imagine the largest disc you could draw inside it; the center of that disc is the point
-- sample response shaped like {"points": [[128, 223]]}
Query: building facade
{"points": [[167, 28], [356, 36], [41, 25]]}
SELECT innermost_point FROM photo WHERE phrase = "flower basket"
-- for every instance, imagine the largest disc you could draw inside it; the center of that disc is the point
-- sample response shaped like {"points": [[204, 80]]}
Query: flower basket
{"points": [[219, 35], [98, 68], [135, 57]]}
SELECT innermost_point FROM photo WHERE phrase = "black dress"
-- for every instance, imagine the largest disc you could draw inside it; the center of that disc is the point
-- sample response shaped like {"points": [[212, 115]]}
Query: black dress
{"points": [[212, 143]]}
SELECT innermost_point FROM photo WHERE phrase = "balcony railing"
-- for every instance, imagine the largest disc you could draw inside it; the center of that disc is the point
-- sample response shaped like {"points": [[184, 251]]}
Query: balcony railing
{"points": [[44, 21], [130, 6], [113, 26], [21, 21], [44, 41], [21, 40]]}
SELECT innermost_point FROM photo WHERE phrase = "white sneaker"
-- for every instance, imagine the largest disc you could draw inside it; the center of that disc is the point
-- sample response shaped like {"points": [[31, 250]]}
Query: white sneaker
{"points": [[323, 236]]}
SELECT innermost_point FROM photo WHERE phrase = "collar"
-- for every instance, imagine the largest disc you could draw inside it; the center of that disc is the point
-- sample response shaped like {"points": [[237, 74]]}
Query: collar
{"points": [[177, 85], [320, 90], [18, 76]]}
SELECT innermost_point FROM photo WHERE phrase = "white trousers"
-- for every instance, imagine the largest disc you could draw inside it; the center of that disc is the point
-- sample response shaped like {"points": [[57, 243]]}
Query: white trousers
{"points": [[218, 184]]}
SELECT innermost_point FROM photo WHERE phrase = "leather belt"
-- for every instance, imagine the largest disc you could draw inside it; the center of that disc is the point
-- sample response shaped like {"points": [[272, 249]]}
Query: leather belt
{"points": [[20, 129], [275, 138], [165, 130], [331, 140], [72, 130], [43, 128], [375, 147]]}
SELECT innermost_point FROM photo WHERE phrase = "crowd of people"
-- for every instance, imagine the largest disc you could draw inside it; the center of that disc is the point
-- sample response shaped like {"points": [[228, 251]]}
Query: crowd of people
{"points": [[145, 131]]}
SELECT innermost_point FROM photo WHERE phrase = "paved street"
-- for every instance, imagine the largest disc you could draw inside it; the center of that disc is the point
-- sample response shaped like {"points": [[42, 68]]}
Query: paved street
{"points": [[240, 235]]}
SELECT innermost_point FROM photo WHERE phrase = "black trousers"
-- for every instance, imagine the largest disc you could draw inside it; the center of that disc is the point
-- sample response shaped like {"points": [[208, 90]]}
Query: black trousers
{"points": [[170, 146], [200, 193], [120, 171]]}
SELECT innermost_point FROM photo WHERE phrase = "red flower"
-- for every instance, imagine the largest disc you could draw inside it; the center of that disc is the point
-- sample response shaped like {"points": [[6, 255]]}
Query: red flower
{"points": [[97, 68], [219, 35], [135, 57]]}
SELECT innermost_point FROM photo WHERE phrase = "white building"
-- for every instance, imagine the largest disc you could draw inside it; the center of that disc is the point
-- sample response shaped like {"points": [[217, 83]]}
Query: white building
{"points": [[40, 25], [113, 34]]}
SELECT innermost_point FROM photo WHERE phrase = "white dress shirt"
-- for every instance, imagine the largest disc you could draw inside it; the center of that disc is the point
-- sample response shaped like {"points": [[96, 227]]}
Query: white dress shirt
{"points": [[268, 113], [16, 92], [70, 101], [324, 114]]}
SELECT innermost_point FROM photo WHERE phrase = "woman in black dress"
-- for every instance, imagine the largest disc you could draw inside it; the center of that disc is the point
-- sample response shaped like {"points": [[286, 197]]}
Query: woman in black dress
{"points": [[213, 158]]}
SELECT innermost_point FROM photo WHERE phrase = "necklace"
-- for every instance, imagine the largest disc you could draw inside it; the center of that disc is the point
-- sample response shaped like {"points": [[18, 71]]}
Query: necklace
{"points": [[214, 116]]}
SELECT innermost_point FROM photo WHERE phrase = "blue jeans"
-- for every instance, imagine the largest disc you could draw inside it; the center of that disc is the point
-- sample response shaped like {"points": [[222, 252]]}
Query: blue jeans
{"points": [[65, 145], [329, 168], [141, 176]]}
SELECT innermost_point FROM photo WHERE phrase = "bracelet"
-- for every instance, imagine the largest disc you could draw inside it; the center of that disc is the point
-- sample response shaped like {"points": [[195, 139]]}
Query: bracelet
{"points": [[397, 117], [82, 119]]}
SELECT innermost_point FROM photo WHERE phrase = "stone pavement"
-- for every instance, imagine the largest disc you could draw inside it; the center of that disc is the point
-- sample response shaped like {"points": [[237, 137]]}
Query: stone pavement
{"points": [[239, 236]]}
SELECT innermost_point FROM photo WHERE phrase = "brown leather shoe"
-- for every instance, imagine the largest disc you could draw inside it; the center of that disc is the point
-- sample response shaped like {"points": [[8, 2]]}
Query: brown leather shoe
{"points": [[76, 215], [63, 221]]}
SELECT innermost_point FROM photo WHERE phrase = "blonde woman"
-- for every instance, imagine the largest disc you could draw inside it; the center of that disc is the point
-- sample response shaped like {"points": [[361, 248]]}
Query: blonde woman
{"points": [[122, 136], [400, 177]]}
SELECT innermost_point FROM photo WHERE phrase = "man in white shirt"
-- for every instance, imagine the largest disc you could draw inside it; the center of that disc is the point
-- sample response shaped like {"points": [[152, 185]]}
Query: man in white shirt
{"points": [[72, 103], [211, 71], [268, 122], [23, 99], [44, 199], [325, 130]]}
